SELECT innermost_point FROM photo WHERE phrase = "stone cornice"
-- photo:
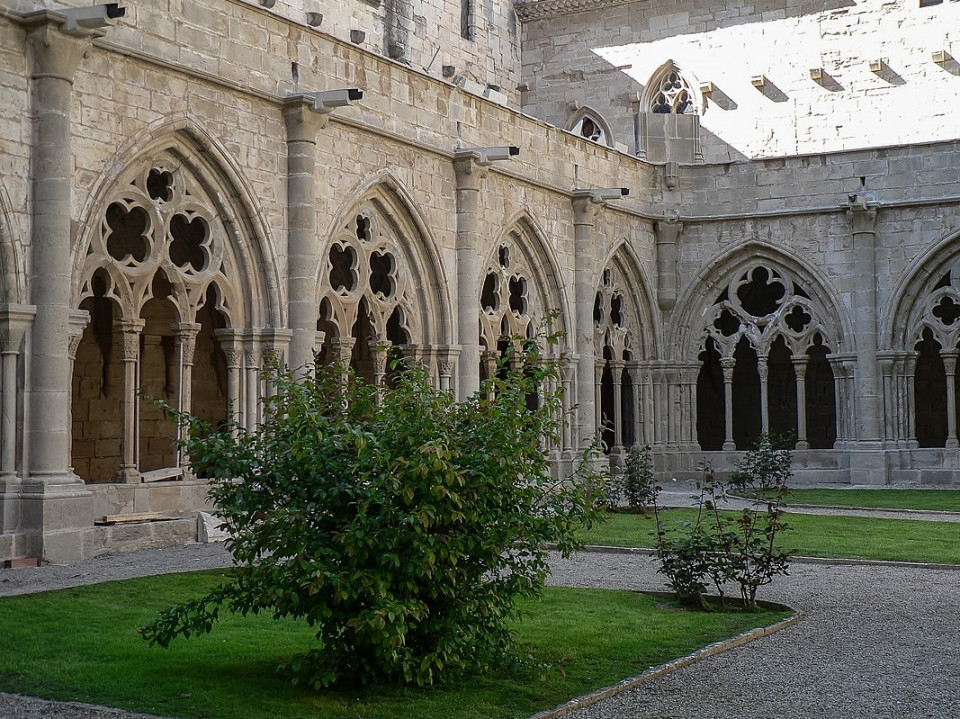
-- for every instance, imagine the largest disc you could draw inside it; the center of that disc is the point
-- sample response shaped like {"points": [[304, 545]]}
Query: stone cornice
{"points": [[543, 9]]}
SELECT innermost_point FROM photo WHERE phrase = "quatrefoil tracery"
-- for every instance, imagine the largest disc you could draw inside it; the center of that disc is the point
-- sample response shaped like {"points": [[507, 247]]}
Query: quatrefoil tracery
{"points": [[761, 305], [155, 227]]}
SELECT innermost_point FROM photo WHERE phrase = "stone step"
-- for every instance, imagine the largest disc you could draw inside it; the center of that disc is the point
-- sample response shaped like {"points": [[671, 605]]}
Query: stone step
{"points": [[134, 536]]}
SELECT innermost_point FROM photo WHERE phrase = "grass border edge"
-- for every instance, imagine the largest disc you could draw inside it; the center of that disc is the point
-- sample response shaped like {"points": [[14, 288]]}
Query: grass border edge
{"points": [[710, 650]]}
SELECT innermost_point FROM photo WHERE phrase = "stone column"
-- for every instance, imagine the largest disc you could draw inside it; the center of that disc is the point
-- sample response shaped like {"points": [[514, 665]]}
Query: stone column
{"points": [[910, 370], [598, 418], [130, 331], [800, 363], [763, 369], [447, 364], [469, 176], [232, 348], [253, 355], [585, 208], [616, 370], [569, 375], [186, 347], [633, 372], [667, 232], [379, 353], [79, 319], [847, 406], [688, 406], [14, 321], [950, 367], [55, 57], [866, 461], [303, 257], [727, 364], [648, 408], [342, 348]]}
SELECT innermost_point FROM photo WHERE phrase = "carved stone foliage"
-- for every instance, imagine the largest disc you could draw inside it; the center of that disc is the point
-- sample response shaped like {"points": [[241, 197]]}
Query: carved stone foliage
{"points": [[367, 266], [159, 236], [938, 309], [615, 327], [510, 305], [762, 304]]}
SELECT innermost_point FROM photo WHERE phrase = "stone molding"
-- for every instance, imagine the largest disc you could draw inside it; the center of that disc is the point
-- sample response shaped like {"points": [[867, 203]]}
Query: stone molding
{"points": [[543, 9]]}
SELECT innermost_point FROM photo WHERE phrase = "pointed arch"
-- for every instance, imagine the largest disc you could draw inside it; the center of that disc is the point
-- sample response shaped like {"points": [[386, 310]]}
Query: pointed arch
{"points": [[688, 333], [672, 90], [923, 299], [379, 218], [538, 264], [623, 260], [598, 129], [13, 273], [256, 294], [760, 325]]}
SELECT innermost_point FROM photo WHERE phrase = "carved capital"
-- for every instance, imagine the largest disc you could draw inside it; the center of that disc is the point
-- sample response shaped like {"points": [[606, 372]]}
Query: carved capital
{"points": [[800, 363], [303, 123], [585, 208], [54, 53], [233, 357], [863, 219], [727, 364], [130, 330], [468, 172], [949, 358], [763, 368], [14, 321]]}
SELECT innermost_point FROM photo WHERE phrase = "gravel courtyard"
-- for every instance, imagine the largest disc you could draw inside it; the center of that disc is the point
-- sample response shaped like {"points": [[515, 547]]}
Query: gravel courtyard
{"points": [[877, 641]]}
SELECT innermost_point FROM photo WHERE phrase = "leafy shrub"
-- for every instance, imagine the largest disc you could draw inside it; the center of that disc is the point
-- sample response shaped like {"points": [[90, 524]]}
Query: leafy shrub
{"points": [[399, 524], [639, 486], [723, 547]]}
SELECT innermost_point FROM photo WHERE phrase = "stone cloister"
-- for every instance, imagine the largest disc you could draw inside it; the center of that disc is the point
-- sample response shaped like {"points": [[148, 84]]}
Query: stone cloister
{"points": [[179, 209]]}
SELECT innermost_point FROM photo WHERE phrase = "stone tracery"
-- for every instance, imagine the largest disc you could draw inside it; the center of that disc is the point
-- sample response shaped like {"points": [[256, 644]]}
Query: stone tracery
{"points": [[763, 356], [159, 280]]}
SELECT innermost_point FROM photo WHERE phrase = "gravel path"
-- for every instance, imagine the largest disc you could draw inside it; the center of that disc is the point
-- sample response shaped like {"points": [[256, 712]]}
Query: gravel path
{"points": [[878, 642]]}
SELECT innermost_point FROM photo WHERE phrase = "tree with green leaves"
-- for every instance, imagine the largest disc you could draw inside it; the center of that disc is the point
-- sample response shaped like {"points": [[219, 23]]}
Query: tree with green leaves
{"points": [[398, 523]]}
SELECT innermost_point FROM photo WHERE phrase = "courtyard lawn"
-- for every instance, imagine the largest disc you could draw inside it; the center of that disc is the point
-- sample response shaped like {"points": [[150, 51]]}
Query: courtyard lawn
{"points": [[82, 644], [812, 535], [943, 500]]}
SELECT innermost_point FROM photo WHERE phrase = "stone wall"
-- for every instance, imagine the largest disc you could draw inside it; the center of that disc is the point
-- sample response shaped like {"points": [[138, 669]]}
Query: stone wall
{"points": [[248, 42], [602, 54], [198, 94]]}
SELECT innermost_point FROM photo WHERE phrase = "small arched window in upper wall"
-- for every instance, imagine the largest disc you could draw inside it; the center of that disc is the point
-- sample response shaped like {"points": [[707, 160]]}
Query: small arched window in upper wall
{"points": [[588, 124], [669, 91]]}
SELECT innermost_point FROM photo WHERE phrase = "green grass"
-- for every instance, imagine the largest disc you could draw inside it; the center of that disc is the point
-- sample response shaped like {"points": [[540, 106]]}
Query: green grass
{"points": [[82, 644], [814, 536], [944, 500]]}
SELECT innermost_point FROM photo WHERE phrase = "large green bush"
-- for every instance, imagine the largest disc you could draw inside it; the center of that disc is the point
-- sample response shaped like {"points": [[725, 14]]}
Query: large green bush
{"points": [[400, 524]]}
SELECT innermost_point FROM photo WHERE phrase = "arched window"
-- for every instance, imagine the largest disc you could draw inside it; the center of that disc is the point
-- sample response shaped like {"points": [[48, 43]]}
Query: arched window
{"points": [[617, 369], [364, 309], [589, 124], [670, 92], [937, 344], [668, 117], [764, 366], [161, 283]]}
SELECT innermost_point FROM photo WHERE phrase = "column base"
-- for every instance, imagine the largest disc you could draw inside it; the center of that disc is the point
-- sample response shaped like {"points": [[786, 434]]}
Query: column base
{"points": [[56, 519], [128, 475], [867, 463]]}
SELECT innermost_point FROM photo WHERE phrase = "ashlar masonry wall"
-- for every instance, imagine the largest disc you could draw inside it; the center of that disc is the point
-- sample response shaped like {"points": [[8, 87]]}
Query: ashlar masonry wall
{"points": [[782, 77]]}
